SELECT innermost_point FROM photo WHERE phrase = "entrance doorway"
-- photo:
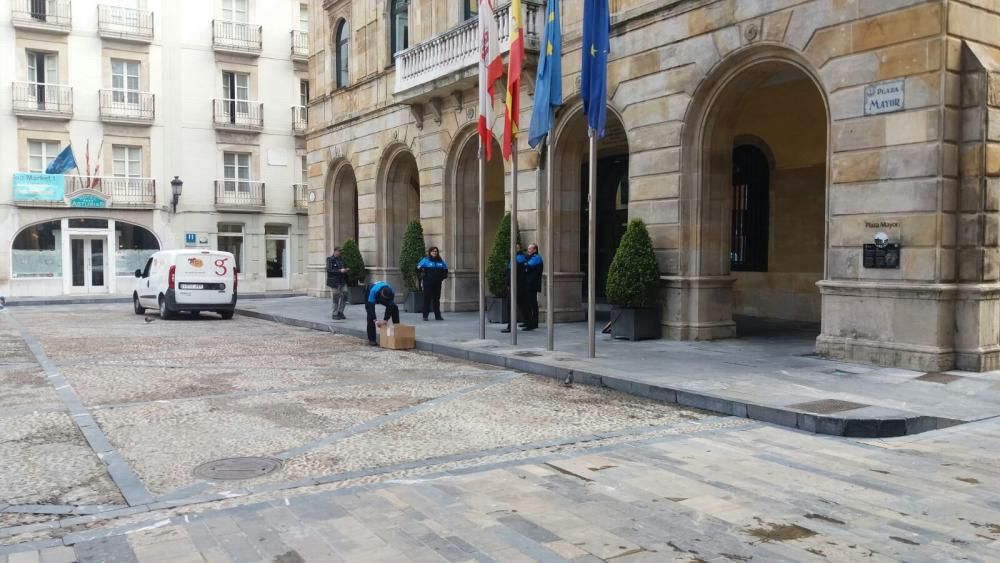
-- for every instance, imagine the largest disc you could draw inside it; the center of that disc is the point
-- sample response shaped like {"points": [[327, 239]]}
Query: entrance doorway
{"points": [[402, 203], [276, 245], [88, 264], [612, 213]]}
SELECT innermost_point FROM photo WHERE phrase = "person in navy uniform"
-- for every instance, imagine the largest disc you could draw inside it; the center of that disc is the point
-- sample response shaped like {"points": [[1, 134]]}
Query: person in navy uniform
{"points": [[380, 293], [519, 255], [533, 267], [434, 271]]}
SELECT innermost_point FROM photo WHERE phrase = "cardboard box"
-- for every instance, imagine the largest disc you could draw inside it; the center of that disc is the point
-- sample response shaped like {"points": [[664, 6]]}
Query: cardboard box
{"points": [[402, 337]]}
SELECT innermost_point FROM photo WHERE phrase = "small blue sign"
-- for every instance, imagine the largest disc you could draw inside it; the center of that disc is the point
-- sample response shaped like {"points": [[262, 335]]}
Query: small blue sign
{"points": [[191, 238], [39, 187], [88, 201]]}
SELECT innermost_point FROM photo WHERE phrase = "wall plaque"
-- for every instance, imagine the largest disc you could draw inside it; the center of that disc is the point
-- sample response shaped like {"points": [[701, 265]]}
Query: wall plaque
{"points": [[885, 97], [881, 256]]}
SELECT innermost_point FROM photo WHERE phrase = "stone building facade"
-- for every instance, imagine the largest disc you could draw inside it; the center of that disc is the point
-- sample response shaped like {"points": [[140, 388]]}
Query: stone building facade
{"points": [[763, 142]]}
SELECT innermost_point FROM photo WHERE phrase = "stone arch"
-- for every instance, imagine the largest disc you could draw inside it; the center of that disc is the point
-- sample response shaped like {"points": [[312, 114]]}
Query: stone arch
{"points": [[567, 253], [461, 243], [342, 204], [397, 201], [700, 299]]}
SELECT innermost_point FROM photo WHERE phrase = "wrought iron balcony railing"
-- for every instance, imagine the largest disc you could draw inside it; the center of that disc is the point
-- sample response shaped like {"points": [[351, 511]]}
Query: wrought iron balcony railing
{"points": [[119, 191], [242, 115], [300, 45], [458, 49], [236, 37], [116, 22], [127, 106], [50, 101], [300, 119], [238, 193], [45, 15]]}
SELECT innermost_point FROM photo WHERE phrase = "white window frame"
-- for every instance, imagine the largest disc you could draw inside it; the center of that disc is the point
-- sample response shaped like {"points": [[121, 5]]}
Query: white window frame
{"points": [[237, 11], [233, 235], [238, 91], [304, 17], [125, 81], [40, 149], [126, 162], [236, 171], [51, 62]]}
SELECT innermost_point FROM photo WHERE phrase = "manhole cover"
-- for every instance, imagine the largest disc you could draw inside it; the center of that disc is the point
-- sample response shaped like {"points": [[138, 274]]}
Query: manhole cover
{"points": [[528, 354], [236, 468], [938, 377], [828, 406]]}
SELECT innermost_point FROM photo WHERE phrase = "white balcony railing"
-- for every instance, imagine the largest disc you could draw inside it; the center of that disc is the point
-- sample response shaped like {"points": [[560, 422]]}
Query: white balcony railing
{"points": [[244, 115], [34, 99], [300, 196], [237, 193], [458, 48], [117, 22], [300, 119], [236, 37], [47, 15], [300, 45], [127, 106]]}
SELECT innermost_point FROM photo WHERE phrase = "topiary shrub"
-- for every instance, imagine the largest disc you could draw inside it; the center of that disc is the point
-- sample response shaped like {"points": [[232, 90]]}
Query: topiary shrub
{"points": [[634, 277], [354, 261], [410, 254], [496, 263]]}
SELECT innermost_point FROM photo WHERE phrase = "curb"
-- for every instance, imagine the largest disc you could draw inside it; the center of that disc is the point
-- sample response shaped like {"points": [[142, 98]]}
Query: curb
{"points": [[32, 302], [890, 427]]}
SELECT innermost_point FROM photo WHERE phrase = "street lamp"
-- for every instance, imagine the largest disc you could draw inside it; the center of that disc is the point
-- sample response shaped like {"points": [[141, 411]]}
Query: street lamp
{"points": [[178, 186]]}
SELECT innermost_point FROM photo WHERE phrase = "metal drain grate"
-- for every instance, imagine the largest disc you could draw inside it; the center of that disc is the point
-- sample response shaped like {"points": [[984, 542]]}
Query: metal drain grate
{"points": [[828, 406], [938, 377], [237, 468], [528, 354]]}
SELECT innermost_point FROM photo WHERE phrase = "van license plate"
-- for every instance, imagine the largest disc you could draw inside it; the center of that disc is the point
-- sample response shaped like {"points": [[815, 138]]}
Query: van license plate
{"points": [[192, 286]]}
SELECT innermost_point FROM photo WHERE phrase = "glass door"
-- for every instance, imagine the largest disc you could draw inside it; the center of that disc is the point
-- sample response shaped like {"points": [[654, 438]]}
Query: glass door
{"points": [[88, 260], [276, 243]]}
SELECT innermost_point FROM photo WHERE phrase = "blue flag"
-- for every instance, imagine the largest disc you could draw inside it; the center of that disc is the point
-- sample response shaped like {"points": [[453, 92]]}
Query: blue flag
{"points": [[548, 85], [594, 79], [65, 161]]}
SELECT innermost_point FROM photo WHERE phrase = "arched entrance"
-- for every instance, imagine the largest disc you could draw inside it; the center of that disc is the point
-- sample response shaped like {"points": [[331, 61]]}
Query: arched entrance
{"points": [[400, 204], [568, 258], [342, 209], [756, 199], [462, 242]]}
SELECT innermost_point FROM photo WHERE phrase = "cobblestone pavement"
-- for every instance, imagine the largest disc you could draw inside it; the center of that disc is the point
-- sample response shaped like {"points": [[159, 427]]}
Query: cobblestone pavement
{"points": [[404, 456]]}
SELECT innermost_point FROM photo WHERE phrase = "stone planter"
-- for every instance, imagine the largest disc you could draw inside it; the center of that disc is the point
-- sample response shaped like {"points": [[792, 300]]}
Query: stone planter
{"points": [[497, 310], [356, 295], [414, 302], [635, 324]]}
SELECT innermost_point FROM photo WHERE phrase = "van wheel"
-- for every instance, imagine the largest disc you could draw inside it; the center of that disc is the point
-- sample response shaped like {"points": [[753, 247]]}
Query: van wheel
{"points": [[165, 313], [226, 315], [136, 307]]}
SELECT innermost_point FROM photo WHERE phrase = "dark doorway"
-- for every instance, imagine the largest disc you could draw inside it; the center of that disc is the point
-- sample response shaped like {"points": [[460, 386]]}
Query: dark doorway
{"points": [[751, 210], [612, 216]]}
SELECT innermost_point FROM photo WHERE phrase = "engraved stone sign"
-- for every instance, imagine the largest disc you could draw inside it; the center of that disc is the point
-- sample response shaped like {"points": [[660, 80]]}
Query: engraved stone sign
{"points": [[885, 97]]}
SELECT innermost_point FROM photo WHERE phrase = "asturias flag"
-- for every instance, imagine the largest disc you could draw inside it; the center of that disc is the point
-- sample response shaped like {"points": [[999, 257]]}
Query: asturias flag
{"points": [[513, 109], [548, 85], [63, 162], [596, 47], [490, 70]]}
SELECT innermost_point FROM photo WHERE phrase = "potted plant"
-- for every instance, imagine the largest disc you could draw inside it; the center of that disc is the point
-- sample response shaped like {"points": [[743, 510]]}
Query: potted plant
{"points": [[355, 273], [410, 253], [498, 304], [633, 286]]}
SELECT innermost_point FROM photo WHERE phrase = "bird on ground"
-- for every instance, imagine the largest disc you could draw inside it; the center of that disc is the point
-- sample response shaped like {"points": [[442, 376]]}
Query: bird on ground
{"points": [[148, 319]]}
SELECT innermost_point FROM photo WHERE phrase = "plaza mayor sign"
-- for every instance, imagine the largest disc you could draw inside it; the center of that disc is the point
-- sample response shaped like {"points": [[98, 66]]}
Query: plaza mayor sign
{"points": [[885, 97]]}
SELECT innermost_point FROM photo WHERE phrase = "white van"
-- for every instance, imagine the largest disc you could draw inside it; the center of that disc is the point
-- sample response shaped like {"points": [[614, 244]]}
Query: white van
{"points": [[187, 280]]}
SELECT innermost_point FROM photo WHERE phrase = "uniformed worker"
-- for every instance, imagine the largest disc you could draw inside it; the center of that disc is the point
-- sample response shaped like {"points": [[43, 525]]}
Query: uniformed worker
{"points": [[380, 293]]}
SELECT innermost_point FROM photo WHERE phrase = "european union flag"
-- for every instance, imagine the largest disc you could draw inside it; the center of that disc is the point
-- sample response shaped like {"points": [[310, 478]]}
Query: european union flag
{"points": [[63, 162], [548, 85], [596, 47]]}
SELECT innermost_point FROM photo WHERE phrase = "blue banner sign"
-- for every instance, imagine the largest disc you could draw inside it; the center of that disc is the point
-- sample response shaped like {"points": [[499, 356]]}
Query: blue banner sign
{"points": [[39, 187], [88, 201]]}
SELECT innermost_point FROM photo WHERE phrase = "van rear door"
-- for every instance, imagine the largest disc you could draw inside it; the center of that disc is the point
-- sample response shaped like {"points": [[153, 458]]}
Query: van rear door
{"points": [[204, 277]]}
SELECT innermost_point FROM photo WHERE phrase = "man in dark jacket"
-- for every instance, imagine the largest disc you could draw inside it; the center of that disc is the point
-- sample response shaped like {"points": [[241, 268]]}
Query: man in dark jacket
{"points": [[533, 267], [380, 293], [336, 280]]}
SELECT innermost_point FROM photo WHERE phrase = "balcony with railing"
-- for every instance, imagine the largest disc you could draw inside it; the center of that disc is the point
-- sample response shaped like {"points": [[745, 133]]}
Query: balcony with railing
{"points": [[43, 101], [453, 56], [124, 24], [300, 46], [300, 119], [127, 106], [236, 37], [235, 194], [238, 115], [86, 191], [300, 197], [42, 15]]}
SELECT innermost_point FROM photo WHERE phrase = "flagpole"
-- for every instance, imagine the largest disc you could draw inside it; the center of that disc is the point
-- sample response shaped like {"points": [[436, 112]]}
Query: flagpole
{"points": [[482, 242], [592, 246], [549, 237], [513, 241]]}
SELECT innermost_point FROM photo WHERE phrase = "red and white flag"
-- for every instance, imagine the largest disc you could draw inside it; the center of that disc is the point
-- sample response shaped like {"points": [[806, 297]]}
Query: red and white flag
{"points": [[490, 70]]}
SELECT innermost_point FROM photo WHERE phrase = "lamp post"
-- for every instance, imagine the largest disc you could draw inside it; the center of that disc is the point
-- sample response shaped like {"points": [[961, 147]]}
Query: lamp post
{"points": [[177, 185]]}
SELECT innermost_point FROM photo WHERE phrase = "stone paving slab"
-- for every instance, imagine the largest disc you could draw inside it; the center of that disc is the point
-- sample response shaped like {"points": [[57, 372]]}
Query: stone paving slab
{"points": [[762, 378]]}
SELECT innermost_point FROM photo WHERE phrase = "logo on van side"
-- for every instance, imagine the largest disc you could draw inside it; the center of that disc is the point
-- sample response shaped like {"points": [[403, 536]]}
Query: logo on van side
{"points": [[196, 262]]}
